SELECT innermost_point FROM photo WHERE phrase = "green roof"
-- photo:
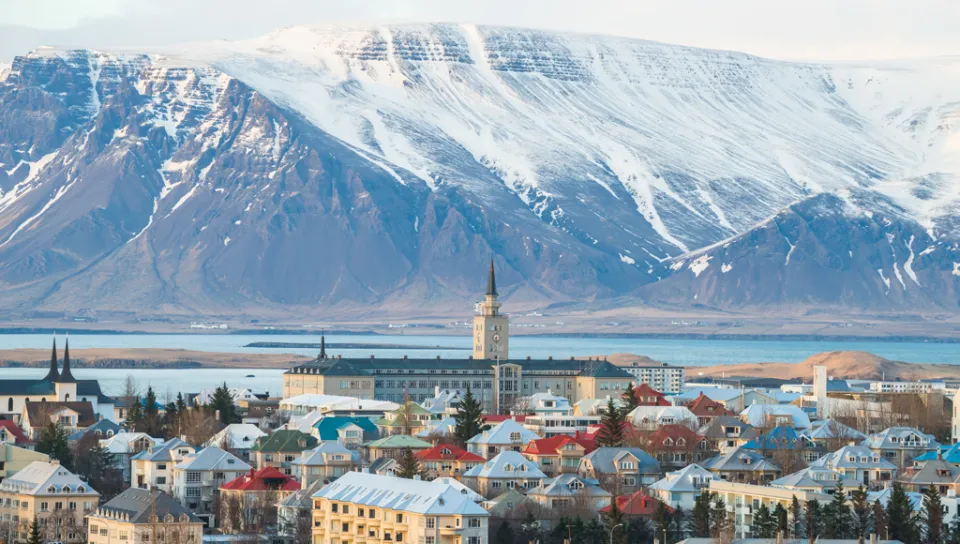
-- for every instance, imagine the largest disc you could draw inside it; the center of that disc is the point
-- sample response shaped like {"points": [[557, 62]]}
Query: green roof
{"points": [[399, 441], [285, 441]]}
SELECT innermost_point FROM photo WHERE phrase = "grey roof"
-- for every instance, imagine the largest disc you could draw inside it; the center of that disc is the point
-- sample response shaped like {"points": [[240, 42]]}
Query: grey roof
{"points": [[162, 452], [212, 458], [507, 464], [569, 485], [603, 459], [303, 498], [360, 367], [742, 460], [689, 479], [893, 438], [936, 471], [857, 457], [85, 388], [714, 429], [104, 426], [814, 477], [824, 429], [140, 504], [507, 502]]}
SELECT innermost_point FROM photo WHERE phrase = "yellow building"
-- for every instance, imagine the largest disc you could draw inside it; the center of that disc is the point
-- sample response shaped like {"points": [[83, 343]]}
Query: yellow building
{"points": [[498, 382], [366, 508], [52, 495], [743, 500], [139, 516], [14, 459]]}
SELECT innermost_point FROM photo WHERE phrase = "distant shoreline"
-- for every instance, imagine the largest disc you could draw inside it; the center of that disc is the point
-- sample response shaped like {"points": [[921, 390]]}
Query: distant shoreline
{"points": [[450, 332]]}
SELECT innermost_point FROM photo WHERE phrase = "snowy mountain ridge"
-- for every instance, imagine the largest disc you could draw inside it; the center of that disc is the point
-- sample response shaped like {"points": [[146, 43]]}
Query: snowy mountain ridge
{"points": [[591, 165]]}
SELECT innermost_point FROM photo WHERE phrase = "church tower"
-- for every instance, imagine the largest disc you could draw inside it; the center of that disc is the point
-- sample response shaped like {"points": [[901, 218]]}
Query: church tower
{"points": [[66, 384], [491, 331]]}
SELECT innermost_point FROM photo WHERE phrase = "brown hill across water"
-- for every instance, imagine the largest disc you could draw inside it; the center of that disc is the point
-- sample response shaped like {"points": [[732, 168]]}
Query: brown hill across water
{"points": [[856, 365], [149, 358]]}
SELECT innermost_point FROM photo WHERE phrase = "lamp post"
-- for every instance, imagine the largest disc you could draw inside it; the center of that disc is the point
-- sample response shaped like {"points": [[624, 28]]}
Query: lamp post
{"points": [[612, 529]]}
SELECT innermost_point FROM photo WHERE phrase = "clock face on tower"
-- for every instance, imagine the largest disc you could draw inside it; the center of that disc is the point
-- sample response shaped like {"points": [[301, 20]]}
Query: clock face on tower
{"points": [[496, 337]]}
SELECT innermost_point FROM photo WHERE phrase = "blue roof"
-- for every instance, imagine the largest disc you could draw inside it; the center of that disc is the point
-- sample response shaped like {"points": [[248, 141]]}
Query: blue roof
{"points": [[104, 425], [778, 438], [327, 427], [950, 453]]}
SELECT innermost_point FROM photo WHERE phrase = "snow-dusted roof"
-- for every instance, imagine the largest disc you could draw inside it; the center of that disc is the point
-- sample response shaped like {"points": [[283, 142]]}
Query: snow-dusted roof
{"points": [[883, 497], [860, 457], [205, 396], [443, 400], [814, 477], [507, 464], [824, 429], [900, 438], [336, 402], [507, 431], [320, 455], [417, 496], [569, 485], [43, 478], [124, 442], [443, 427], [593, 407], [690, 479], [604, 460], [740, 460], [661, 415], [464, 490], [239, 436], [212, 458], [756, 414]]}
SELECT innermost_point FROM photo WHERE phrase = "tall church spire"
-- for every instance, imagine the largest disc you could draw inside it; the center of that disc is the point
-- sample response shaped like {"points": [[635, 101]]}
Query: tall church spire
{"points": [[53, 375], [65, 375], [323, 347], [492, 281]]}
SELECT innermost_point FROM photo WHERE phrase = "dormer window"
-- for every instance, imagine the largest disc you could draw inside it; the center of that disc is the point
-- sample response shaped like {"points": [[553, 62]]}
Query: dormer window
{"points": [[52, 489], [681, 442], [575, 484], [508, 467], [445, 451], [515, 436]]}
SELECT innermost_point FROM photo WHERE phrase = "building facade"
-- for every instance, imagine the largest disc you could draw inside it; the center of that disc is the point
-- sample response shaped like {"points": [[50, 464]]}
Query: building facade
{"points": [[52, 495], [662, 377]]}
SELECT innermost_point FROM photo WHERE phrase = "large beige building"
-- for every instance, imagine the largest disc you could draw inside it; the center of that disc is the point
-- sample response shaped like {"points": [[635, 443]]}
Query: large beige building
{"points": [[743, 500], [53, 495], [367, 508], [499, 383], [14, 459], [139, 516]]}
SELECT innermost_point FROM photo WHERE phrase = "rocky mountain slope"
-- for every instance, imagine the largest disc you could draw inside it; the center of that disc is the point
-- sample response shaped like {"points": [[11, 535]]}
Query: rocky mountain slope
{"points": [[371, 169]]}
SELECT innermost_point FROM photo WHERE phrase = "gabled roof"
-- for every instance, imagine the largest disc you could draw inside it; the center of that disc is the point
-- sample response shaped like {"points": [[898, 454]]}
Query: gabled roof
{"points": [[265, 479], [894, 437], [505, 432], [757, 414], [239, 436], [603, 460], [717, 428], [506, 502], [704, 406], [644, 393], [636, 504], [816, 478], [854, 457], [326, 451], [445, 398], [328, 426], [657, 414], [417, 496], [284, 441], [825, 429], [568, 485], [883, 497], [140, 505], [212, 458], [778, 438], [552, 445], [740, 460], [106, 428], [398, 441], [673, 436], [689, 479], [302, 499], [163, 452], [507, 464], [123, 442], [443, 427], [448, 452], [10, 428], [41, 411], [45, 478], [937, 471]]}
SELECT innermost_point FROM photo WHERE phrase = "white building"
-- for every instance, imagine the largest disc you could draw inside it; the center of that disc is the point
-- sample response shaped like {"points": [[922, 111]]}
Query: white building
{"points": [[773, 415], [547, 425], [681, 488], [445, 402], [545, 404], [238, 438], [905, 387], [198, 476], [239, 394], [153, 468], [649, 418], [508, 470], [662, 377], [124, 446], [336, 405], [508, 435]]}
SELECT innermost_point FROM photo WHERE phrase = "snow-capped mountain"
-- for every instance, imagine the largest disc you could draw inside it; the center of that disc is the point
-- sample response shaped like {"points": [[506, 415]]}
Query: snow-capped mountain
{"points": [[352, 165]]}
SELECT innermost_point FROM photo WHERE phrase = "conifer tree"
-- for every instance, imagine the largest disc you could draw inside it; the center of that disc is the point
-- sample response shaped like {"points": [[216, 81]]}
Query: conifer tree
{"points": [[838, 523], [181, 404], [408, 466], [932, 516], [796, 519], [680, 521], [629, 399], [610, 434], [151, 415], [953, 532], [862, 514], [718, 518], [134, 421], [662, 522], [34, 537], [530, 527], [901, 524], [638, 530], [701, 516], [222, 402], [780, 517], [880, 525], [813, 520], [614, 517], [469, 418], [505, 533], [53, 441], [764, 526]]}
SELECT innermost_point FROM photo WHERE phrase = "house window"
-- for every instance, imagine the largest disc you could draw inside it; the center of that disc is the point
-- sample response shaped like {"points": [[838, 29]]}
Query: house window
{"points": [[193, 477], [431, 523], [473, 523]]}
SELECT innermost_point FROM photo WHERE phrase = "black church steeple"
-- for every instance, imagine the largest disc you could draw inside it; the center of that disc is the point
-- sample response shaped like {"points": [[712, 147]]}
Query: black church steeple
{"points": [[53, 375]]}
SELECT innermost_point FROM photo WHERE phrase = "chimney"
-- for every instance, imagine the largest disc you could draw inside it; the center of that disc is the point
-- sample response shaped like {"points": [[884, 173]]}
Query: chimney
{"points": [[436, 391]]}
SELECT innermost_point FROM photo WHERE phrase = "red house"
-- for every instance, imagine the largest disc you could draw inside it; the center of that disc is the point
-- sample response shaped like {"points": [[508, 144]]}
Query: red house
{"points": [[648, 396], [676, 446], [12, 434], [637, 504], [706, 409], [447, 460], [559, 454]]}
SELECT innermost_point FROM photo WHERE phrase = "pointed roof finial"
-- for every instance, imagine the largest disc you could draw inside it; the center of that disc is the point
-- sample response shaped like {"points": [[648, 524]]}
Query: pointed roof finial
{"points": [[492, 281], [65, 375], [54, 374], [323, 346]]}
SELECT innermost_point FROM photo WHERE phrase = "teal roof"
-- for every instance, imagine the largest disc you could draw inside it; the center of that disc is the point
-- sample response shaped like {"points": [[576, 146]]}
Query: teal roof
{"points": [[327, 427]]}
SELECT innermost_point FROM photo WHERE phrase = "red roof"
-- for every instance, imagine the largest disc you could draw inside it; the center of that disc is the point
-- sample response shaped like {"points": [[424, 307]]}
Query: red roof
{"points": [[637, 504], [550, 446], [20, 439], [593, 430], [265, 479], [447, 452], [668, 437], [493, 419], [703, 406], [648, 396]]}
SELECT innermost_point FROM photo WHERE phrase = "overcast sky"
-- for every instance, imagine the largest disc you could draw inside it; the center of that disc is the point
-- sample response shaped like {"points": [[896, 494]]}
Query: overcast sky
{"points": [[785, 29]]}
